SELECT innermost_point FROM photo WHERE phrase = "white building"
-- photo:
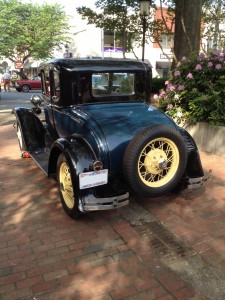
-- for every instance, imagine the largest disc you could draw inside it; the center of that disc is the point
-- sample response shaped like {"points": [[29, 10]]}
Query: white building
{"points": [[89, 41]]}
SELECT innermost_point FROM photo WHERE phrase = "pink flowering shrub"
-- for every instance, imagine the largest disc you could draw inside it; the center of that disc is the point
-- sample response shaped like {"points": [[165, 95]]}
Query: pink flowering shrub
{"points": [[195, 90]]}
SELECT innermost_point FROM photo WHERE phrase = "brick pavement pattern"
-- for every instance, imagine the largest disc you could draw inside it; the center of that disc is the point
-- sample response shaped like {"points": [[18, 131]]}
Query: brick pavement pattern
{"points": [[46, 255]]}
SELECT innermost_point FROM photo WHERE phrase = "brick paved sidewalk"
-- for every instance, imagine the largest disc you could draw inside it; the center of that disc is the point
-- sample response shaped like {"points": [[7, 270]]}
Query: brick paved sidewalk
{"points": [[46, 255]]}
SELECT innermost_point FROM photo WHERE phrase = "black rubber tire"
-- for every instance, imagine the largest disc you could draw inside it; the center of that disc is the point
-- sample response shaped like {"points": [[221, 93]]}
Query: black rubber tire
{"points": [[25, 88], [68, 195], [155, 160]]}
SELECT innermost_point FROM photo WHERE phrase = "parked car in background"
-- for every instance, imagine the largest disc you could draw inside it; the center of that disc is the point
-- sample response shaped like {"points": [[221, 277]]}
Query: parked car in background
{"points": [[101, 139], [25, 85]]}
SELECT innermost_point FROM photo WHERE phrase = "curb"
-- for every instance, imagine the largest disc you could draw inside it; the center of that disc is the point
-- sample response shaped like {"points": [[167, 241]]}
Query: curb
{"points": [[6, 111]]}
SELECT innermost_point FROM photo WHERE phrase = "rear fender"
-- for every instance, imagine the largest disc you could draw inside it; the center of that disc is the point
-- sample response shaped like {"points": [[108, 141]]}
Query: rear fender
{"points": [[194, 166], [78, 154], [32, 129]]}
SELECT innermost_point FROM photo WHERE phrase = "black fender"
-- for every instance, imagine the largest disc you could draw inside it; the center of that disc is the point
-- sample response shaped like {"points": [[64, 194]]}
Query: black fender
{"points": [[78, 153], [194, 167], [32, 129]]}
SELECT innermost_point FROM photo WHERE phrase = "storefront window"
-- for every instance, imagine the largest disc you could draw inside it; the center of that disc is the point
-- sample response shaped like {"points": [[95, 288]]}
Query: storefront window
{"points": [[111, 43]]}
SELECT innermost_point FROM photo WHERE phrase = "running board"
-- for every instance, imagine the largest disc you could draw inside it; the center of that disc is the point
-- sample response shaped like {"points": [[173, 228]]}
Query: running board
{"points": [[41, 158]]}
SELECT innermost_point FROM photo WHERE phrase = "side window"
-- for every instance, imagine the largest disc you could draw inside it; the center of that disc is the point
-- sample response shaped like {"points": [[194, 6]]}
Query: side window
{"points": [[45, 82], [51, 84], [45, 85], [56, 86]]}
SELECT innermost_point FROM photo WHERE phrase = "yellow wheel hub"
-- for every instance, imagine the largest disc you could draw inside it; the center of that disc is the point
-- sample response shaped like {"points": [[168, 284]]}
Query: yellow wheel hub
{"points": [[66, 185], [158, 162]]}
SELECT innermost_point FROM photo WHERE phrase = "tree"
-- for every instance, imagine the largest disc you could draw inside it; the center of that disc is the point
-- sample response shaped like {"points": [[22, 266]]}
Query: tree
{"points": [[122, 17], [163, 25], [188, 16], [31, 30], [214, 20], [119, 16], [195, 18]]}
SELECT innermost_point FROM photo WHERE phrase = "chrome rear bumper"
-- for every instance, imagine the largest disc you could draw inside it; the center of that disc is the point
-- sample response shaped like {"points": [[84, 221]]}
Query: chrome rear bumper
{"points": [[91, 203], [195, 183]]}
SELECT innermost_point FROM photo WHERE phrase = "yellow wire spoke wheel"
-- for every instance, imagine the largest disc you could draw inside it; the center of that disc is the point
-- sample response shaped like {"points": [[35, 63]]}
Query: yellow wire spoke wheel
{"points": [[68, 195], [66, 185], [158, 162], [155, 160]]}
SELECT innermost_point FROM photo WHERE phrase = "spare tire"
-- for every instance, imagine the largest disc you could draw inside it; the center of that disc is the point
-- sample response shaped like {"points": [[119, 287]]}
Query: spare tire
{"points": [[155, 160]]}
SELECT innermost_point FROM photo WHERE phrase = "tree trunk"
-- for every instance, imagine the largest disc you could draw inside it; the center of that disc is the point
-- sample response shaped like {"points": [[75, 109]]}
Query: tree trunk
{"points": [[217, 25], [188, 14]]}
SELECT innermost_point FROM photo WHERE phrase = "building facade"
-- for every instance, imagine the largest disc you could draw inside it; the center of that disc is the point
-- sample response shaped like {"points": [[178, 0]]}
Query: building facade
{"points": [[89, 41]]}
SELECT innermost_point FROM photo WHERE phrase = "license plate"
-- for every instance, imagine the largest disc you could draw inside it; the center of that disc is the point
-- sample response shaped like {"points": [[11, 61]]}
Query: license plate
{"points": [[91, 179]]}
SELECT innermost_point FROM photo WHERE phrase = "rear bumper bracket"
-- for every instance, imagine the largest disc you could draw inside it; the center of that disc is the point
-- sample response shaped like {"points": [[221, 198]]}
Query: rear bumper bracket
{"points": [[195, 183]]}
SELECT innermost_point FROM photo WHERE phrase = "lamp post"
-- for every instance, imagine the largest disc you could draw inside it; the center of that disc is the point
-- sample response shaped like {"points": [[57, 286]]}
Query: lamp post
{"points": [[144, 12]]}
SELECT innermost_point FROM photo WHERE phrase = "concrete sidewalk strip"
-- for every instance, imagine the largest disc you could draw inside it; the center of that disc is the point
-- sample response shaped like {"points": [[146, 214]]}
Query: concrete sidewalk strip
{"points": [[170, 247], [7, 117]]}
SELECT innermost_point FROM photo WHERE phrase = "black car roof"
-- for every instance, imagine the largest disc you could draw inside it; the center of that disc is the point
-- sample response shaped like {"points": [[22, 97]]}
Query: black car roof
{"points": [[97, 64]]}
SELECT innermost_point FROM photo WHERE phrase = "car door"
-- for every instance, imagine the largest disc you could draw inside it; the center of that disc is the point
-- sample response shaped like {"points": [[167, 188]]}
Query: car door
{"points": [[47, 93], [56, 108], [36, 83]]}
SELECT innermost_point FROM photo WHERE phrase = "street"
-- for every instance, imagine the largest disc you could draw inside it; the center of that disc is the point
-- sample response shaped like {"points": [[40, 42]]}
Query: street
{"points": [[13, 99]]}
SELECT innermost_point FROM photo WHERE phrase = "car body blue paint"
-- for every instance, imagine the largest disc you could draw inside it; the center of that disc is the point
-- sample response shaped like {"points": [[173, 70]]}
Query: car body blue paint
{"points": [[112, 124]]}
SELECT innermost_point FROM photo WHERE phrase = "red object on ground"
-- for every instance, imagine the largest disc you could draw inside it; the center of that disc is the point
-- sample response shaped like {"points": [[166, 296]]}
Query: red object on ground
{"points": [[25, 154]]}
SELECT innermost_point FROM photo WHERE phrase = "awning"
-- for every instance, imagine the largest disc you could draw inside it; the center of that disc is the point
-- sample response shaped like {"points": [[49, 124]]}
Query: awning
{"points": [[31, 63], [163, 65], [36, 64], [27, 64]]}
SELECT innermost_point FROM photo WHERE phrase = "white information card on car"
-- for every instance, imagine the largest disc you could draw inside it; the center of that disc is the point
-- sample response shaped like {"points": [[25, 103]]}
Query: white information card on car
{"points": [[91, 179]]}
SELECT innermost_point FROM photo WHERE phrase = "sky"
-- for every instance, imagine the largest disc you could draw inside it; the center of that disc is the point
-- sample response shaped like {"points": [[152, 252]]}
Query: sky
{"points": [[69, 5]]}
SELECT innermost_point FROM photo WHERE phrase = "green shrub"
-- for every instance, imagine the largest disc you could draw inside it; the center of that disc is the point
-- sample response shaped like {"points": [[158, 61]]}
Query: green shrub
{"points": [[196, 90], [158, 84]]}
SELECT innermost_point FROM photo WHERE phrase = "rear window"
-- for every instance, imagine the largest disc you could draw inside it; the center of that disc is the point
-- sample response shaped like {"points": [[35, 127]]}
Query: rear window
{"points": [[113, 84]]}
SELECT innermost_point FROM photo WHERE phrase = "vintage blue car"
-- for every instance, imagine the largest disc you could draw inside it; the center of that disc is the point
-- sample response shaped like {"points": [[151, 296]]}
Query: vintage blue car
{"points": [[101, 139]]}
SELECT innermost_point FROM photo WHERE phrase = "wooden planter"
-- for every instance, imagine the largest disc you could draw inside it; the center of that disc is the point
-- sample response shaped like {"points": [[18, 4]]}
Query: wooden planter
{"points": [[208, 138]]}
